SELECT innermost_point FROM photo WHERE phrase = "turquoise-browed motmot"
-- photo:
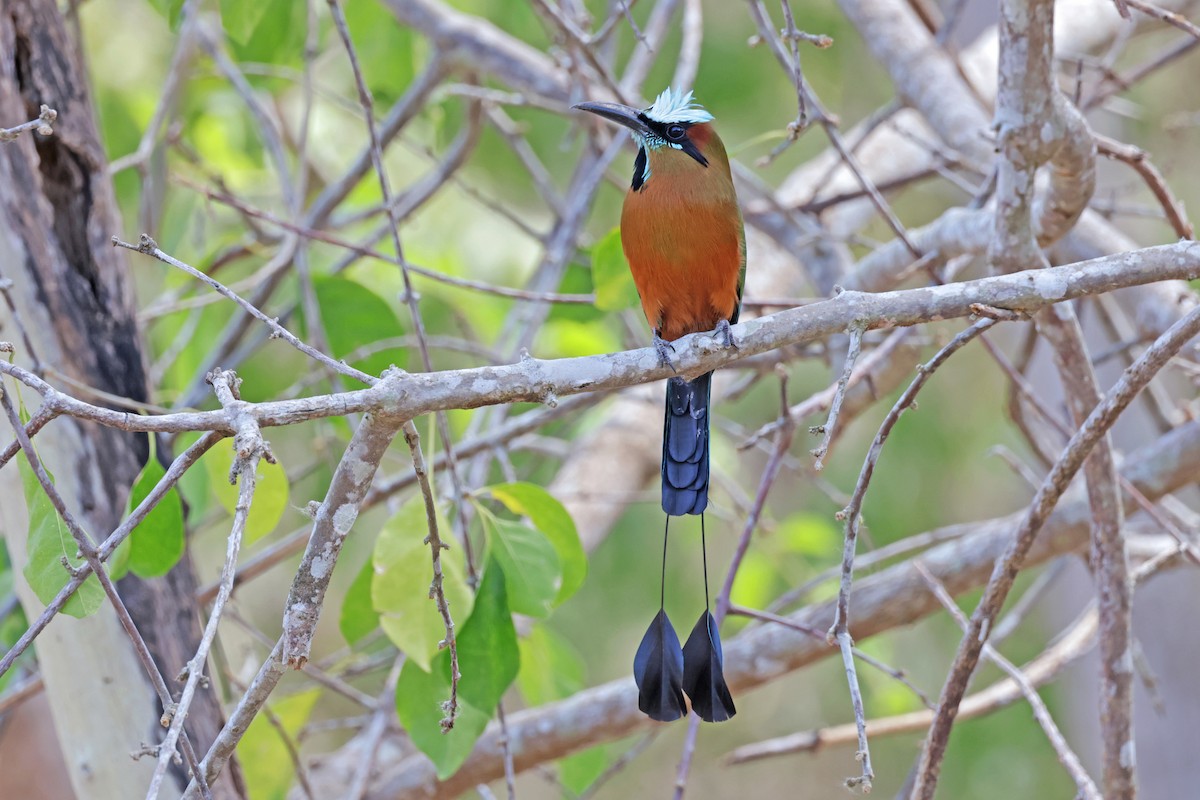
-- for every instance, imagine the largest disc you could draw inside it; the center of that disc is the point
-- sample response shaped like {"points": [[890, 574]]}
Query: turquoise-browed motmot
{"points": [[682, 233]]}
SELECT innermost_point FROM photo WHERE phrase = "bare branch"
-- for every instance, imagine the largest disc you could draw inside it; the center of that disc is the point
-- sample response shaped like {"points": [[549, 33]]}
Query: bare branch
{"points": [[43, 125], [1098, 422]]}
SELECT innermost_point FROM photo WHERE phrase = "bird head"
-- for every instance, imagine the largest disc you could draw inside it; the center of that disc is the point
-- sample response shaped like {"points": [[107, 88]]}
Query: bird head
{"points": [[672, 128]]}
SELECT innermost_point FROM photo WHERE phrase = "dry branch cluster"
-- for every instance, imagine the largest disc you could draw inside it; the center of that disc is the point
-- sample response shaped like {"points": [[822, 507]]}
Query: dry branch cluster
{"points": [[1005, 122]]}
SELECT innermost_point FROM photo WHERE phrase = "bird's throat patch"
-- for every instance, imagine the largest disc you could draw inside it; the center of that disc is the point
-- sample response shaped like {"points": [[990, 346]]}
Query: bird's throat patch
{"points": [[641, 169]]}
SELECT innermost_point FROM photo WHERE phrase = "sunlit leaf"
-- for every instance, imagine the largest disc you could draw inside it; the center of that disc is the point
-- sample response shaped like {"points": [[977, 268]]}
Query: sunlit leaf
{"points": [[754, 585], [488, 656], [263, 752], [576, 279], [566, 338], [270, 491], [488, 661], [280, 41], [354, 318], [551, 669], [240, 19], [529, 562], [810, 535], [615, 289], [420, 696], [48, 543], [553, 520], [199, 332], [400, 586], [170, 9], [578, 771], [157, 543], [359, 617]]}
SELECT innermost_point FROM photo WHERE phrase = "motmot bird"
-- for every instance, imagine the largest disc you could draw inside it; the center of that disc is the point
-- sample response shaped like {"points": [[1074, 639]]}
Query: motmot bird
{"points": [[682, 233]]}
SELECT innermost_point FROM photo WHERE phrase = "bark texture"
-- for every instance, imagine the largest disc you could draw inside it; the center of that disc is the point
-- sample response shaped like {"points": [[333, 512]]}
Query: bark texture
{"points": [[74, 292]]}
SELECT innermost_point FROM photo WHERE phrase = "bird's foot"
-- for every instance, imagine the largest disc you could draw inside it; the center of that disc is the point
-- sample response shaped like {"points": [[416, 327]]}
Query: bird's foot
{"points": [[724, 334], [665, 350]]}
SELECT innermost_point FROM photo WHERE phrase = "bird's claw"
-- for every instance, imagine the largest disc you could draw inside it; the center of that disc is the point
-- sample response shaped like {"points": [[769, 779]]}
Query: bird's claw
{"points": [[725, 334], [664, 349]]}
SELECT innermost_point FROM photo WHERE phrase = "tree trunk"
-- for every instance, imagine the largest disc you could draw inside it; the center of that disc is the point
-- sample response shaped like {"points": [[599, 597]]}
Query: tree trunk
{"points": [[75, 303]]}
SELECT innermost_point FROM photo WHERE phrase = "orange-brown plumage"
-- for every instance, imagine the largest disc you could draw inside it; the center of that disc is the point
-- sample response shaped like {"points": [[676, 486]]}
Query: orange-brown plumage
{"points": [[682, 235]]}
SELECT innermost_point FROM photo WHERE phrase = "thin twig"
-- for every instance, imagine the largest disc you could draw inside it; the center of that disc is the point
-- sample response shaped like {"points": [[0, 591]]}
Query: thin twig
{"points": [[1083, 782], [43, 125], [91, 555], [839, 395], [839, 632], [1076, 641], [148, 246], [410, 297], [1138, 159], [510, 774], [174, 472], [893, 673], [436, 589], [1132, 381], [1167, 16], [249, 449]]}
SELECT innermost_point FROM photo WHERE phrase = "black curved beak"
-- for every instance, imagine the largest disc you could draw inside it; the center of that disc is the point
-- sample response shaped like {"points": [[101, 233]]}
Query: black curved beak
{"points": [[622, 115]]}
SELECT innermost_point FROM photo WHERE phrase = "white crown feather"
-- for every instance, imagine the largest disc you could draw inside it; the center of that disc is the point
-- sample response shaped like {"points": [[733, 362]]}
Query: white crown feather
{"points": [[677, 106]]}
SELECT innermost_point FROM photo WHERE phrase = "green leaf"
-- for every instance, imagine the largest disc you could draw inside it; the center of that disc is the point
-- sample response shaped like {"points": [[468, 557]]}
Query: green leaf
{"points": [[755, 583], [551, 669], [488, 656], [270, 492], [279, 43], [615, 289], [565, 338], [813, 535], [118, 562], [529, 562], [170, 9], [576, 279], [400, 588], [419, 698], [578, 771], [359, 617], [550, 517], [156, 544], [355, 317], [263, 752], [48, 543], [488, 659], [240, 19]]}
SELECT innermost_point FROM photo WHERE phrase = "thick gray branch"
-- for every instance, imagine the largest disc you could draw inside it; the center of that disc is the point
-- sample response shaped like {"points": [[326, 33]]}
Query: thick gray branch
{"points": [[533, 380]]}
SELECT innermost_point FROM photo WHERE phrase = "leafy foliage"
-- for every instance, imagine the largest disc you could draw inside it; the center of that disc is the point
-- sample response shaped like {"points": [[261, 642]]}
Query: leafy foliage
{"points": [[354, 319], [270, 492], [544, 559], [263, 752], [49, 545], [552, 520], [610, 274], [157, 543], [400, 594], [489, 660]]}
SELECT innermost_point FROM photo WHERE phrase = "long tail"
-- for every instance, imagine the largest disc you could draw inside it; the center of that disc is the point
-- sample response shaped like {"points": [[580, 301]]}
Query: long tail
{"points": [[685, 446], [664, 671]]}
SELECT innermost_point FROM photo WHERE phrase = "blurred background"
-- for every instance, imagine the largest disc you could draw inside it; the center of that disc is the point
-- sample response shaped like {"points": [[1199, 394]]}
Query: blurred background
{"points": [[258, 116]]}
